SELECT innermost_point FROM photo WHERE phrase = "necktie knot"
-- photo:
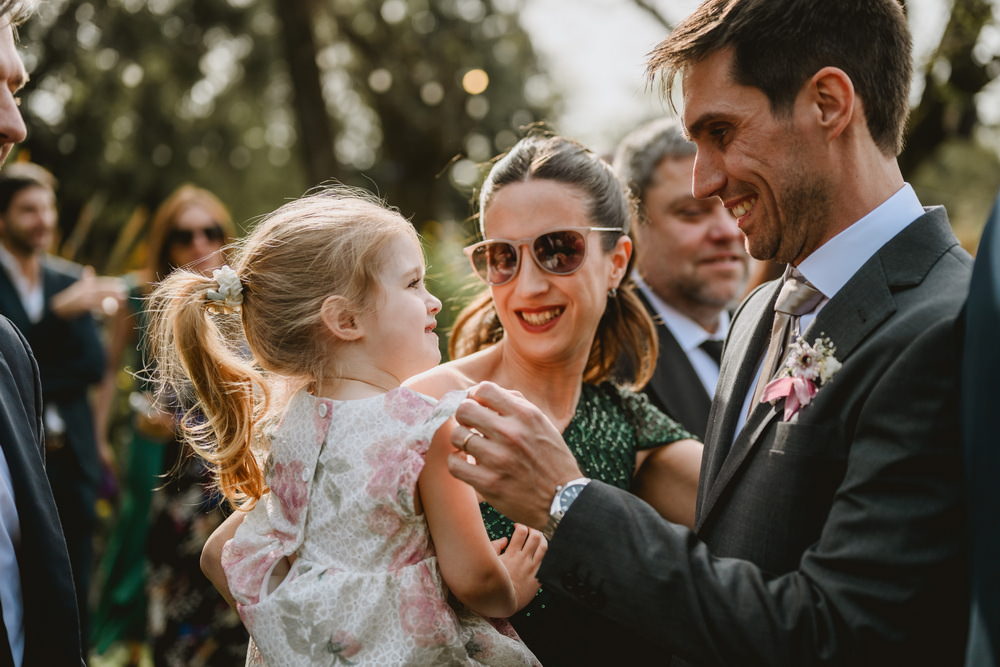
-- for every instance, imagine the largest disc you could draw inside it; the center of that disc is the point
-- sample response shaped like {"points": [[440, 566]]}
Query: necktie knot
{"points": [[713, 348], [797, 296]]}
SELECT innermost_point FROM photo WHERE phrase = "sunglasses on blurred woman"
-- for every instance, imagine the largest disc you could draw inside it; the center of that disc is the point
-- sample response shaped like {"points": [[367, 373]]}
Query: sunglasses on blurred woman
{"points": [[185, 237], [560, 252]]}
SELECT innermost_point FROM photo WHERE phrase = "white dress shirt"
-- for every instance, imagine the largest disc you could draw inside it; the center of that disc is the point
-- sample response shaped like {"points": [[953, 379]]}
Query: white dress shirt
{"points": [[32, 296], [689, 335], [830, 266], [10, 573]]}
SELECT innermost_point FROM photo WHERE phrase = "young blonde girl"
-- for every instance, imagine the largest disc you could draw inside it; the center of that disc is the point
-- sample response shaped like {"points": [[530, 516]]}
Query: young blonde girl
{"points": [[293, 358]]}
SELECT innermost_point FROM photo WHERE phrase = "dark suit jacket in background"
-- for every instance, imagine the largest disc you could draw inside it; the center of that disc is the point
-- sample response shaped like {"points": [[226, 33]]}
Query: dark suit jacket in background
{"points": [[52, 634], [675, 386], [980, 406], [70, 358], [835, 538]]}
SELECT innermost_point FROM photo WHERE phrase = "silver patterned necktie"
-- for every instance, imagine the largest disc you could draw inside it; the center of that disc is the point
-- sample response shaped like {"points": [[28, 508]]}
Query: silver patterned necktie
{"points": [[796, 298]]}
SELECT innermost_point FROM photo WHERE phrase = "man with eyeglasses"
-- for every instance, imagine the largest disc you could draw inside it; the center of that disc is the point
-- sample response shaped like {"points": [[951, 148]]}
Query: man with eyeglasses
{"points": [[50, 301]]}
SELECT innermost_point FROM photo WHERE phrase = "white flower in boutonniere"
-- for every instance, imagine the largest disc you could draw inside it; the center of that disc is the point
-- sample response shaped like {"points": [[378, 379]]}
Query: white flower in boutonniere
{"points": [[230, 292], [807, 368]]}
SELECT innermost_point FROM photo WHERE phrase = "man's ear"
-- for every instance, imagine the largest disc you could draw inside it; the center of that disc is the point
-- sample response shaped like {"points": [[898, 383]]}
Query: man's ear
{"points": [[620, 255], [341, 318], [831, 92]]}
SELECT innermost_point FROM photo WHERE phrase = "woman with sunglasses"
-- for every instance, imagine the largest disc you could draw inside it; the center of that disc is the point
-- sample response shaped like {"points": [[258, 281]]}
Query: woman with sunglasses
{"points": [[558, 323], [152, 588]]}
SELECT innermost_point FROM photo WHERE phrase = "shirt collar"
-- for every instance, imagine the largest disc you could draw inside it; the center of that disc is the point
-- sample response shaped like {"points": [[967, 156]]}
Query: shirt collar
{"points": [[830, 266], [688, 333], [8, 262]]}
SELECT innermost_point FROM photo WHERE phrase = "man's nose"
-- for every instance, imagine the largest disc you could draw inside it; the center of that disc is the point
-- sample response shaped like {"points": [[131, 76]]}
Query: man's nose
{"points": [[707, 178], [12, 128]]}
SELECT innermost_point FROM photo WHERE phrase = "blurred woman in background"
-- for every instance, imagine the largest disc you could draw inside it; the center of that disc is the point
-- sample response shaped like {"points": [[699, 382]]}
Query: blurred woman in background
{"points": [[153, 591]]}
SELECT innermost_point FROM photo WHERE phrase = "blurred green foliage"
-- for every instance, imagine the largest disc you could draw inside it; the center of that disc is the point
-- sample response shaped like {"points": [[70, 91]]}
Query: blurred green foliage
{"points": [[130, 98]]}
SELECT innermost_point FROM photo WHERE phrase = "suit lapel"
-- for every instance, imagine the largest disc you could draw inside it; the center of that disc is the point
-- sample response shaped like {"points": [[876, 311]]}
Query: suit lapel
{"points": [[851, 316], [744, 345], [10, 303]]}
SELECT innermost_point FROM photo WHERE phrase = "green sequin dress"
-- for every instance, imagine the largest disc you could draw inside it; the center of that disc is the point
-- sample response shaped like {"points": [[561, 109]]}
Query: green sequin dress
{"points": [[610, 425]]}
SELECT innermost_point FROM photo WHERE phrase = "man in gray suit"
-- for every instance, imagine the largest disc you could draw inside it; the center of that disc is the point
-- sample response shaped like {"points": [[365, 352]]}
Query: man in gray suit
{"points": [[689, 295], [830, 512]]}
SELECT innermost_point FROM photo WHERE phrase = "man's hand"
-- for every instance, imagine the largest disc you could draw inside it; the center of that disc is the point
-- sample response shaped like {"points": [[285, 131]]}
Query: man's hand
{"points": [[520, 457], [91, 293]]}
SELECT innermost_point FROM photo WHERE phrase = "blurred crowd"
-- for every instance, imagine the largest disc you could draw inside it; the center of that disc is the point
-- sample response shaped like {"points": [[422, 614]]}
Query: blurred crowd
{"points": [[110, 444]]}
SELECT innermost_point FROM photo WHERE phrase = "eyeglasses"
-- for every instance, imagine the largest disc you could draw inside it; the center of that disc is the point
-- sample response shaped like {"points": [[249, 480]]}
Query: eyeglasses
{"points": [[560, 252], [185, 237]]}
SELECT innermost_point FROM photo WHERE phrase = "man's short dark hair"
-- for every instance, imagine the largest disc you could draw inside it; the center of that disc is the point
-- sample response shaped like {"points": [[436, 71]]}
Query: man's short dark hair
{"points": [[21, 176], [778, 44], [16, 12]]}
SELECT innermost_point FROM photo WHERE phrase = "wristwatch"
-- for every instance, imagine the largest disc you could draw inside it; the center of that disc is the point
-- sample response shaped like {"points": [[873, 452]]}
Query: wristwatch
{"points": [[565, 495]]}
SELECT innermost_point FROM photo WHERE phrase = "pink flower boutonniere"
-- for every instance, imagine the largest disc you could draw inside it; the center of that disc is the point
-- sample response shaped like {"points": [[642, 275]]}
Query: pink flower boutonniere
{"points": [[807, 368]]}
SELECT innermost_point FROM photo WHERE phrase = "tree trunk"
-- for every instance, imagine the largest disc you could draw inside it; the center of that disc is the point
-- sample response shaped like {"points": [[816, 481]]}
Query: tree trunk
{"points": [[315, 134], [947, 108]]}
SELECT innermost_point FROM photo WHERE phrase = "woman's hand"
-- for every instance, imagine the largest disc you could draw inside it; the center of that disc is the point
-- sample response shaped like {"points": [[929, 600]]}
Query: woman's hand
{"points": [[522, 557]]}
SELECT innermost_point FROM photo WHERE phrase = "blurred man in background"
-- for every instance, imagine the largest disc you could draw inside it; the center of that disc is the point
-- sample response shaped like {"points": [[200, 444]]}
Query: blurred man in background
{"points": [[691, 268], [50, 301]]}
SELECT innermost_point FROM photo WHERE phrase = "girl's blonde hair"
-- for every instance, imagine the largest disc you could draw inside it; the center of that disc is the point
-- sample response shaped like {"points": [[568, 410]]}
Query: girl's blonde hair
{"points": [[223, 365], [625, 346]]}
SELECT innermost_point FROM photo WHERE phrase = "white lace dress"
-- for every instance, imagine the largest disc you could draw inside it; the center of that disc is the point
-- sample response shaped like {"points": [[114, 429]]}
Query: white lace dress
{"points": [[365, 588]]}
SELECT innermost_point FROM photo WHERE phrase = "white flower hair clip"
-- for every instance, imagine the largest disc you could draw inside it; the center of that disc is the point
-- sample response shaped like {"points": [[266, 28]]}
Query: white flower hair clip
{"points": [[229, 296]]}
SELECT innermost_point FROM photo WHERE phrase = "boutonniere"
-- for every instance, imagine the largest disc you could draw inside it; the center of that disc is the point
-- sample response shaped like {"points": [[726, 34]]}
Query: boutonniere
{"points": [[807, 368]]}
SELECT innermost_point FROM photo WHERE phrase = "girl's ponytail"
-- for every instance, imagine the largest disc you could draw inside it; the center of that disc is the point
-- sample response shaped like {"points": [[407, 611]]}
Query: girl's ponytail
{"points": [[203, 370]]}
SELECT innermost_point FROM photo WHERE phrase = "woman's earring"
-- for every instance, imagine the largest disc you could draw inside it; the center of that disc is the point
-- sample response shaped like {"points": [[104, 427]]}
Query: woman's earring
{"points": [[612, 292]]}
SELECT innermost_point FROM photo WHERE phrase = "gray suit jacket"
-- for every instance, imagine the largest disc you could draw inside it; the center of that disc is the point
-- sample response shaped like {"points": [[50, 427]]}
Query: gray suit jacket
{"points": [[835, 538]]}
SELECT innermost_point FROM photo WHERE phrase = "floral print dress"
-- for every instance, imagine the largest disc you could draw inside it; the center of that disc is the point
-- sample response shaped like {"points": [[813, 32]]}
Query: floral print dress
{"points": [[365, 587]]}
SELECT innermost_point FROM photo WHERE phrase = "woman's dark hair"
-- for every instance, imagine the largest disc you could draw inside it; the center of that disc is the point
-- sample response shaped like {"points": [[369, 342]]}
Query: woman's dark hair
{"points": [[626, 336]]}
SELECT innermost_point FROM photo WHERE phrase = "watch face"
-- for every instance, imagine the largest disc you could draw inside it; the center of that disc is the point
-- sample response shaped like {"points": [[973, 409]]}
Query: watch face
{"points": [[568, 495]]}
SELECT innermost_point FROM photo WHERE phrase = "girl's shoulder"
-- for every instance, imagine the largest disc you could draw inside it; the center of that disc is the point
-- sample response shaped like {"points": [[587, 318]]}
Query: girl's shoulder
{"points": [[438, 381], [398, 411]]}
